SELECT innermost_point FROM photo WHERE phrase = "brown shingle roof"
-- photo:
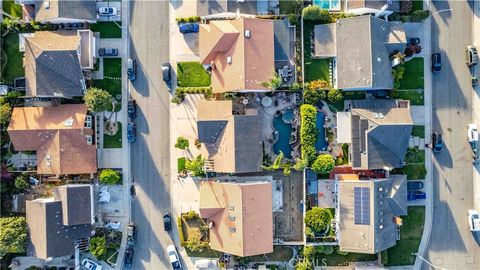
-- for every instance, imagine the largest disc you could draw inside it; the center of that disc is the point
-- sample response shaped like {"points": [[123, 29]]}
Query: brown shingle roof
{"points": [[252, 59], [241, 214], [58, 136], [52, 65]]}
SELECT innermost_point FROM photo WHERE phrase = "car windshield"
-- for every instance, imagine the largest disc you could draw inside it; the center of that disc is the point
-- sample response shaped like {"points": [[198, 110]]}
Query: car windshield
{"points": [[475, 216], [176, 265]]}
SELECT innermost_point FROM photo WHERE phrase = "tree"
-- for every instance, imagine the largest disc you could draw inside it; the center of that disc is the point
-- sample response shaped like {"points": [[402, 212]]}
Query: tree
{"points": [[98, 246], [98, 100], [5, 113], [273, 83], [196, 166], [315, 13], [323, 164], [295, 86], [194, 241], [13, 97], [109, 177], [313, 96], [13, 235], [21, 182], [280, 164], [334, 95], [308, 131], [317, 85], [318, 219], [182, 143], [300, 164]]}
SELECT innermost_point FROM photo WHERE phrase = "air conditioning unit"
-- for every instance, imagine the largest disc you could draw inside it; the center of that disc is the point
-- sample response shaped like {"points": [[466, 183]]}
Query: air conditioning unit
{"points": [[229, 59], [248, 34], [89, 139]]}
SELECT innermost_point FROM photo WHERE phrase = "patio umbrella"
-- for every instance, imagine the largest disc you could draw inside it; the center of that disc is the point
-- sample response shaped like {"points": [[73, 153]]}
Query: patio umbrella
{"points": [[266, 101]]}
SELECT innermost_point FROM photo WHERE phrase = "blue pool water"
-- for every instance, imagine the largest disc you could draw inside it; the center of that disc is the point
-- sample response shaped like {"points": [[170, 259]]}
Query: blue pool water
{"points": [[284, 131], [321, 143], [327, 4], [288, 115]]}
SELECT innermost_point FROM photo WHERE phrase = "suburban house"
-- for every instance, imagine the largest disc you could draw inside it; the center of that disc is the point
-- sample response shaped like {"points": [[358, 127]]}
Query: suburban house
{"points": [[62, 11], [360, 48], [54, 62], [240, 53], [56, 225], [377, 132], [226, 8], [369, 212], [231, 142], [239, 216], [62, 137]]}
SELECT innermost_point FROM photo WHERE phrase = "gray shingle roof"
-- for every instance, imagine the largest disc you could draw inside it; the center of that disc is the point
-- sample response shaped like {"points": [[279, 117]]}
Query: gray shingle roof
{"points": [[362, 51], [209, 131], [68, 9], [76, 202], [281, 40]]}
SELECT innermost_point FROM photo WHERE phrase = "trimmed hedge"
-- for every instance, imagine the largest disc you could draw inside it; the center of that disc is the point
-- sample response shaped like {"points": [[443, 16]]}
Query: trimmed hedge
{"points": [[308, 131], [180, 231], [181, 92], [187, 19]]}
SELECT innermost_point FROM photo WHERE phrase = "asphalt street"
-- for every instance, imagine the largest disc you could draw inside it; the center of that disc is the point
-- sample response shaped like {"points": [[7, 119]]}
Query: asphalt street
{"points": [[150, 164], [452, 245]]}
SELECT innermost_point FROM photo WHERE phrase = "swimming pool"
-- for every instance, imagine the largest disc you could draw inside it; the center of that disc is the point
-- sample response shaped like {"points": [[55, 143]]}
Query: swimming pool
{"points": [[284, 131], [288, 115], [321, 143], [328, 4]]}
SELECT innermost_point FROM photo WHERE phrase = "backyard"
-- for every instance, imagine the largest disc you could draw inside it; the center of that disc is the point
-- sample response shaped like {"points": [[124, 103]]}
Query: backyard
{"points": [[114, 141], [14, 66], [410, 236], [347, 95], [107, 29], [112, 79], [336, 259], [317, 69], [192, 74]]}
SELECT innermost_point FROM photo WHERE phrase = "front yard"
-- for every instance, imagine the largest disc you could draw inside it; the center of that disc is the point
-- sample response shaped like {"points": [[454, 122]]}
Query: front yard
{"points": [[415, 165], [413, 76], [107, 29], [13, 57], [337, 258], [114, 141], [112, 79], [418, 131], [192, 74], [410, 236]]}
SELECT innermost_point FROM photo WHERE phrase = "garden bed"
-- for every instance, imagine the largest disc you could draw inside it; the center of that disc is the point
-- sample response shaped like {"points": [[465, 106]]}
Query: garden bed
{"points": [[336, 259], [410, 237], [418, 131], [279, 254]]}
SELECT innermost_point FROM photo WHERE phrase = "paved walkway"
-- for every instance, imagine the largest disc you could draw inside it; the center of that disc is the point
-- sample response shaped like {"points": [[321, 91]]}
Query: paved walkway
{"points": [[418, 115]]}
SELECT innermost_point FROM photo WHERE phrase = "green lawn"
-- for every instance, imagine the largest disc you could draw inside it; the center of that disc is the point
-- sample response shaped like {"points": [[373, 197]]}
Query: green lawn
{"points": [[348, 95], [336, 259], [112, 82], [192, 74], [410, 236], [280, 253], [11, 8], [107, 29], [418, 131], [14, 67], [415, 96], [206, 252], [413, 171], [415, 155], [114, 141], [417, 5], [317, 69], [413, 76], [181, 164]]}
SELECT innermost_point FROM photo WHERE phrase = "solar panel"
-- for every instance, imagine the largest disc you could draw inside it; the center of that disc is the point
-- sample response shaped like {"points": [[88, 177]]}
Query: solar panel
{"points": [[361, 196]]}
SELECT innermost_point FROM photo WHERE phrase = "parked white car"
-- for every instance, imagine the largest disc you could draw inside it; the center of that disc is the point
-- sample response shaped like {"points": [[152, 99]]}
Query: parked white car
{"points": [[107, 11], [473, 220], [173, 257], [472, 133], [91, 265]]}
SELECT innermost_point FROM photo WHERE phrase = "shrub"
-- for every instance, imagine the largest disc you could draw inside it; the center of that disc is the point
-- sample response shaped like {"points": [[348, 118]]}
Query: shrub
{"points": [[295, 86], [334, 95], [328, 250], [315, 13], [194, 241], [13, 235], [190, 215], [300, 164], [311, 96], [317, 85], [318, 219], [98, 246], [196, 166], [406, 6], [323, 164], [187, 19], [308, 131], [5, 113], [181, 92], [97, 100], [182, 143], [397, 73], [309, 232], [293, 19], [109, 177], [420, 15], [180, 231], [21, 182]]}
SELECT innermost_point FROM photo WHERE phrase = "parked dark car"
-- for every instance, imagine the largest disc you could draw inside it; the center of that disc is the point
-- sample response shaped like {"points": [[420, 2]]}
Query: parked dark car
{"points": [[132, 108], [436, 62], [416, 195], [131, 132], [131, 234], [167, 222], [107, 52], [414, 185], [167, 73], [128, 257], [131, 69], [437, 142], [186, 28], [132, 190]]}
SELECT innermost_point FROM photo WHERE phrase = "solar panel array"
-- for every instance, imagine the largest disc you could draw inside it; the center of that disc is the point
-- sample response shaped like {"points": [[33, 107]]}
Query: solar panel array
{"points": [[361, 196]]}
